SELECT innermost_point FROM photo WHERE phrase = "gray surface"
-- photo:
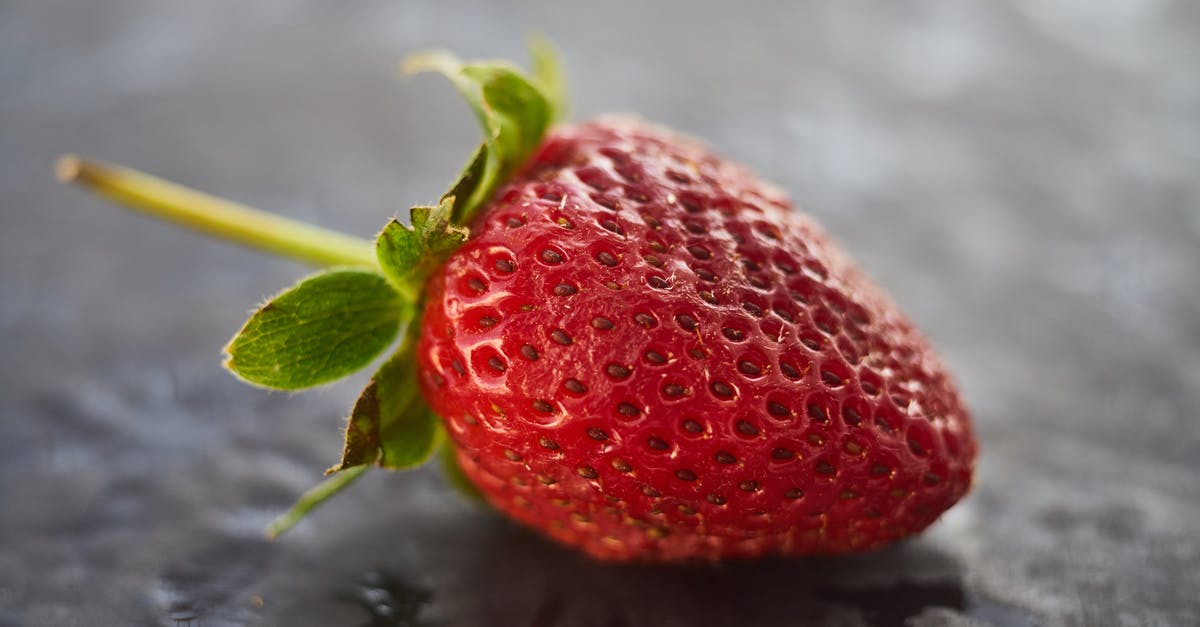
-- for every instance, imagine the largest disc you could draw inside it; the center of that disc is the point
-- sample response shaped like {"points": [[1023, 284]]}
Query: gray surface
{"points": [[1024, 177]]}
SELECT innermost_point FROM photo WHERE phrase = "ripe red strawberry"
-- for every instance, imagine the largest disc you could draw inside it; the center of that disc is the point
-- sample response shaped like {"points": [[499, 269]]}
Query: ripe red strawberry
{"points": [[638, 348], [644, 352]]}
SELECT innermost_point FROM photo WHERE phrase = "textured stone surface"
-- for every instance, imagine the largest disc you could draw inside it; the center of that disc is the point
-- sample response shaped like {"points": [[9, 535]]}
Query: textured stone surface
{"points": [[1022, 176]]}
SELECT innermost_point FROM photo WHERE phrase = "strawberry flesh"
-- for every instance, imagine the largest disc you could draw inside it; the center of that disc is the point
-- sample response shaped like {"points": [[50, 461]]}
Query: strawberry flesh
{"points": [[644, 352]]}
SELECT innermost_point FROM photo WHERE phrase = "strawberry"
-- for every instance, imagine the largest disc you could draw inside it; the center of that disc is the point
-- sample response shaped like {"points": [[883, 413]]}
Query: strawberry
{"points": [[645, 352], [635, 347]]}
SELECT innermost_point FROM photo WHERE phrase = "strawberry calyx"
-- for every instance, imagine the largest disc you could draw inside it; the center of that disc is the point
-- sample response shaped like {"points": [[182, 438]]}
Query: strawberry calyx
{"points": [[369, 297], [390, 425]]}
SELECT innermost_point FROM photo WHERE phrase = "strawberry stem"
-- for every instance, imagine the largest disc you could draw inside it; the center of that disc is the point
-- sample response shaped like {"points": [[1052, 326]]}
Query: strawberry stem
{"points": [[215, 216]]}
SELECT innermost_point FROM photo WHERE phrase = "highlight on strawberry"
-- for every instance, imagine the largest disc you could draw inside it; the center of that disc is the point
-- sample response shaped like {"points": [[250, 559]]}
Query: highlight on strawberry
{"points": [[612, 335]]}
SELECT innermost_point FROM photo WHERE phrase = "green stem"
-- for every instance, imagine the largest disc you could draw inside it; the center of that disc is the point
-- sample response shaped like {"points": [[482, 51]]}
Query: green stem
{"points": [[314, 497], [215, 216]]}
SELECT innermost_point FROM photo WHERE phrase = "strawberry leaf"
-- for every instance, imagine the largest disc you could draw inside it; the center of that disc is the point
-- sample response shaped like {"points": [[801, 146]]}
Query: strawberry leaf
{"points": [[391, 425], [321, 329], [514, 110]]}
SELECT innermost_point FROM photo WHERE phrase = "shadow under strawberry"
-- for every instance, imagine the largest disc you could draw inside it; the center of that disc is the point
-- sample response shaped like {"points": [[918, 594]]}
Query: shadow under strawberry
{"points": [[476, 568]]}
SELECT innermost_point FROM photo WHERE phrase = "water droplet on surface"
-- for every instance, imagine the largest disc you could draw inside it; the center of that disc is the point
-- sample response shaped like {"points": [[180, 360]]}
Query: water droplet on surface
{"points": [[388, 600]]}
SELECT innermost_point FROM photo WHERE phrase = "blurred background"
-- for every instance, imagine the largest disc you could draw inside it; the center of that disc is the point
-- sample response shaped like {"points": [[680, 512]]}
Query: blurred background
{"points": [[1023, 176]]}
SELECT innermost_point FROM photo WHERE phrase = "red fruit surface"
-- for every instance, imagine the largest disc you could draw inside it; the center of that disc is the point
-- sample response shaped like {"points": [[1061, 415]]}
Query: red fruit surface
{"points": [[644, 352]]}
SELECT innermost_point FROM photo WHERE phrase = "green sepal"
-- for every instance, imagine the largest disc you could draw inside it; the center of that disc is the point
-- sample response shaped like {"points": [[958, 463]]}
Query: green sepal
{"points": [[391, 425], [325, 327], [409, 440], [548, 70], [514, 110], [362, 430], [408, 254]]}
